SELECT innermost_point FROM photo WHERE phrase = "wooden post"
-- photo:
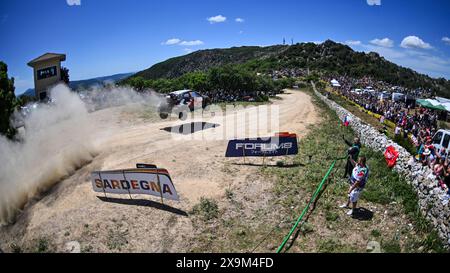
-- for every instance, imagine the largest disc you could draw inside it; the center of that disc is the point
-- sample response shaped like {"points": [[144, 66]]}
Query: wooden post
{"points": [[129, 193], [160, 188], [103, 184], [287, 153]]}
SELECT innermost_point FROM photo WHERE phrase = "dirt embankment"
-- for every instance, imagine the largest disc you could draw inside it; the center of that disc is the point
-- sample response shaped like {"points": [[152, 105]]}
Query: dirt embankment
{"points": [[71, 211]]}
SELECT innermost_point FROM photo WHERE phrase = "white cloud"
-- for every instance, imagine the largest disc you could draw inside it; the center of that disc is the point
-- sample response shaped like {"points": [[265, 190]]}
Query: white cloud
{"points": [[374, 2], [414, 42], [421, 61], [73, 2], [386, 42], [176, 41], [173, 41], [446, 40], [240, 20], [353, 43], [191, 43], [188, 50], [217, 19], [241, 32]]}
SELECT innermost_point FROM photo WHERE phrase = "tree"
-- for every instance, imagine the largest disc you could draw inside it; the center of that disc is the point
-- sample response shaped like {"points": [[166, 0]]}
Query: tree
{"points": [[65, 75], [7, 101], [196, 80], [137, 82], [265, 84], [24, 100]]}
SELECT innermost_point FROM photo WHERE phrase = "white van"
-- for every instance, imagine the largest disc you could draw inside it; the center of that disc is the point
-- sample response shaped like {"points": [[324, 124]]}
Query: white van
{"points": [[398, 97], [442, 140]]}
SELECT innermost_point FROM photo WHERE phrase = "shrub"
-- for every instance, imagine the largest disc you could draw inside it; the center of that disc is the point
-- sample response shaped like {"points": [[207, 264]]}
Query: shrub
{"points": [[391, 246], [207, 208]]}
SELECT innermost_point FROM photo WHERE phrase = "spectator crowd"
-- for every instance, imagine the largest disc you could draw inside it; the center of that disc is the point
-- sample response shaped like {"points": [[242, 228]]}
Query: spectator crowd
{"points": [[234, 96]]}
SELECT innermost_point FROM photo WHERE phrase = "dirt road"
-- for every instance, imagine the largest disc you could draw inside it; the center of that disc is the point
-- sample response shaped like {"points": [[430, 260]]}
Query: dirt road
{"points": [[71, 211]]}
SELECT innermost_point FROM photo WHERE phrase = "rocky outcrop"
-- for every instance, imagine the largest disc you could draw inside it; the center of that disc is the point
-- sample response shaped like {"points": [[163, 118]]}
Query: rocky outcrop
{"points": [[418, 176]]}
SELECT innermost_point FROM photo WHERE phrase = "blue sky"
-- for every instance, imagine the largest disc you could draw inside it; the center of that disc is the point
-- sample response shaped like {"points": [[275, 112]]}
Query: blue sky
{"points": [[104, 37]]}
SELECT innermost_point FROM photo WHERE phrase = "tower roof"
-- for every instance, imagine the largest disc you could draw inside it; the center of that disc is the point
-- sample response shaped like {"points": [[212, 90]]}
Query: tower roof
{"points": [[46, 57]]}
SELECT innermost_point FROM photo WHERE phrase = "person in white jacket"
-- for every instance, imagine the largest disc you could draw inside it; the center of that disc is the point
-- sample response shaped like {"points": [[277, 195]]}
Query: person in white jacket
{"points": [[358, 180]]}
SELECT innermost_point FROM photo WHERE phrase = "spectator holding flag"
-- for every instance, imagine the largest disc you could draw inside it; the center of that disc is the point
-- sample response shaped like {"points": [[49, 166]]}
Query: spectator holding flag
{"points": [[347, 120], [358, 181], [353, 153]]}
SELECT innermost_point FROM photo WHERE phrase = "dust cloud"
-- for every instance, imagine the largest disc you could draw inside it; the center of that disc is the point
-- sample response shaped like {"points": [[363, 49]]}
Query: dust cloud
{"points": [[58, 139]]}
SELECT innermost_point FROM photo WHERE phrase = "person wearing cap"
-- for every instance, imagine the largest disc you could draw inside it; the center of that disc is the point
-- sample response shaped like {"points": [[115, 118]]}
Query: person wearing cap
{"points": [[353, 152], [358, 181]]}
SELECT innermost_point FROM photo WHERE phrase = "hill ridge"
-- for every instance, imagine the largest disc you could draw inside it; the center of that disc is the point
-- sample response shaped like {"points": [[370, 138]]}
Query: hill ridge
{"points": [[328, 57]]}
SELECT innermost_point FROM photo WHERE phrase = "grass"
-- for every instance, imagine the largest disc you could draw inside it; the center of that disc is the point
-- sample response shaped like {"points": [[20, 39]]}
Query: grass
{"points": [[334, 246], [15, 248], [391, 246], [87, 249], [229, 194], [307, 228], [43, 245], [331, 216], [116, 239], [207, 208], [375, 233], [405, 143]]}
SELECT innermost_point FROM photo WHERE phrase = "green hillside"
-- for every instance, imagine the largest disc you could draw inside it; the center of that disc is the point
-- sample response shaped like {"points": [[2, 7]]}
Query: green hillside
{"points": [[203, 60], [327, 58]]}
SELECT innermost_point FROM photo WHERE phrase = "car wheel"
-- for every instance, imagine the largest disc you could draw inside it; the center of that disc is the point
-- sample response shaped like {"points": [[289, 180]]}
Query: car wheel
{"points": [[163, 115], [182, 115]]}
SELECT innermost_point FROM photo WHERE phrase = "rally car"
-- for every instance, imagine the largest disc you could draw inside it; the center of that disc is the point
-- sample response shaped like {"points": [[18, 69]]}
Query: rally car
{"points": [[181, 102]]}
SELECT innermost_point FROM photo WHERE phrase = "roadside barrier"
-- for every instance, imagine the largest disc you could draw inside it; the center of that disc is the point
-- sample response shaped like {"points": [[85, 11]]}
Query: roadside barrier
{"points": [[311, 201]]}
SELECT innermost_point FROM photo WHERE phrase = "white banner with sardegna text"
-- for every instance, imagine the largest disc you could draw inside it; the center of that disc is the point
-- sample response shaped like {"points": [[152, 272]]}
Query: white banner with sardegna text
{"points": [[156, 182]]}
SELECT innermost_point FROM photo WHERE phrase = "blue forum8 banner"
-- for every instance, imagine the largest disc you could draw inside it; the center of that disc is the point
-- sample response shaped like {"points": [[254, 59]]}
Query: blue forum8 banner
{"points": [[280, 145]]}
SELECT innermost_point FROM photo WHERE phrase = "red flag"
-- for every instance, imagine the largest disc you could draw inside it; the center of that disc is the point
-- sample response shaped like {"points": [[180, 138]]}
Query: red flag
{"points": [[391, 156]]}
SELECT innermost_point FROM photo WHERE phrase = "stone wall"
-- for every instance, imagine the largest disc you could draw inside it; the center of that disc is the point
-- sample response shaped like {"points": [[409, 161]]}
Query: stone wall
{"points": [[418, 176]]}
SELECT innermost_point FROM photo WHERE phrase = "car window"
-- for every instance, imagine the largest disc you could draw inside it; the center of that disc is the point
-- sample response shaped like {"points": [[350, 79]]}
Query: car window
{"points": [[195, 95], [186, 95], [437, 138], [446, 141]]}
